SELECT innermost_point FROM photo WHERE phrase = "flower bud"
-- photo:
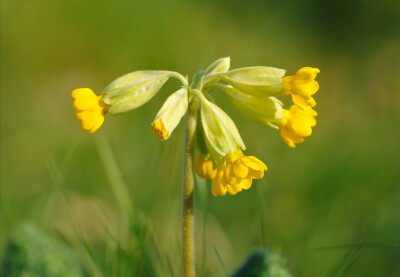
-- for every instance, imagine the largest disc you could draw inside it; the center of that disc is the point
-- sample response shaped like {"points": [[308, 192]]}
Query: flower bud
{"points": [[134, 89], [220, 133], [220, 65], [257, 80], [170, 113]]}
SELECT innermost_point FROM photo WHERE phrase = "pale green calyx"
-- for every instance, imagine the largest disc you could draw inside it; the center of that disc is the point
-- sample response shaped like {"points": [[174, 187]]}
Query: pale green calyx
{"points": [[220, 133], [135, 89], [264, 110], [256, 80], [170, 113]]}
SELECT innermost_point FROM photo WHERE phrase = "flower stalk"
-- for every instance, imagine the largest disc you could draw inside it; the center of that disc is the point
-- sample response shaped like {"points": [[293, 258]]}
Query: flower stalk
{"points": [[188, 189]]}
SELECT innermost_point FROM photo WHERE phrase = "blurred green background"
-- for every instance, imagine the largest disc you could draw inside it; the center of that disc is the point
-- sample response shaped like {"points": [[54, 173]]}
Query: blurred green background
{"points": [[331, 206]]}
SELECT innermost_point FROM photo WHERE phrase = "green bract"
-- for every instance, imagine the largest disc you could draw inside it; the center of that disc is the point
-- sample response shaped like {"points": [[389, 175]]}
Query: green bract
{"points": [[134, 89], [173, 109], [257, 80], [265, 110], [198, 81], [220, 132]]}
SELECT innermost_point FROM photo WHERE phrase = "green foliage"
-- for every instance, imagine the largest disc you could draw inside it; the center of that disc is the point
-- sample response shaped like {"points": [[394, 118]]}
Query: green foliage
{"points": [[29, 252]]}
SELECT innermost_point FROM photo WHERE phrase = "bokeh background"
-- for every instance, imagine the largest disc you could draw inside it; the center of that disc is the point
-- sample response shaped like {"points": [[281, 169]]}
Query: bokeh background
{"points": [[331, 206]]}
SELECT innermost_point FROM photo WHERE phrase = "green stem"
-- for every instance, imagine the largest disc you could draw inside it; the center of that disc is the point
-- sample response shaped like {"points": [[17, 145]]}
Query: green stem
{"points": [[188, 186]]}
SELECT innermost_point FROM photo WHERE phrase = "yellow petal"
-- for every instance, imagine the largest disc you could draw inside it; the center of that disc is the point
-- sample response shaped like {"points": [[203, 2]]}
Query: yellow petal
{"points": [[303, 103], [306, 74], [229, 176], [159, 129], [245, 183], [256, 174], [239, 169], [233, 189], [217, 186]]}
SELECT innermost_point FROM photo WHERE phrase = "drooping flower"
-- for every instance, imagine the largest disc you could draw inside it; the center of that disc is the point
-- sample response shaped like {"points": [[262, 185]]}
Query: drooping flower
{"points": [[296, 124], [237, 173], [170, 114], [89, 108], [221, 135], [302, 86]]}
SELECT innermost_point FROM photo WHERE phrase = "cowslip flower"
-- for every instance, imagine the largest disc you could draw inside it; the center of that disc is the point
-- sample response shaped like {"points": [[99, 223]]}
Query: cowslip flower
{"points": [[125, 93], [302, 86], [252, 90], [170, 114], [296, 125], [237, 174], [89, 108], [234, 171]]}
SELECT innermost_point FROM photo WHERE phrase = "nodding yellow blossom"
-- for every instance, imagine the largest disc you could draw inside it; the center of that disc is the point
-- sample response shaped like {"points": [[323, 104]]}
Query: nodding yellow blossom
{"points": [[170, 114], [205, 168], [302, 86], [89, 108], [296, 124], [159, 129], [237, 173]]}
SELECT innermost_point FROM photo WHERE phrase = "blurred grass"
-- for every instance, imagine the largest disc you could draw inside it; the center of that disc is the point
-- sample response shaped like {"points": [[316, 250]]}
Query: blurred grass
{"points": [[338, 188]]}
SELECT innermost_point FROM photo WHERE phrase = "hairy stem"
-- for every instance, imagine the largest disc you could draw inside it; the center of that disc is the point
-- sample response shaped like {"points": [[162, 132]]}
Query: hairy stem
{"points": [[188, 186]]}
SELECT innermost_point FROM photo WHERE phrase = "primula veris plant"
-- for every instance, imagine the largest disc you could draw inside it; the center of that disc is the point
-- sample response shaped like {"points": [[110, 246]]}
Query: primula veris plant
{"points": [[252, 90]]}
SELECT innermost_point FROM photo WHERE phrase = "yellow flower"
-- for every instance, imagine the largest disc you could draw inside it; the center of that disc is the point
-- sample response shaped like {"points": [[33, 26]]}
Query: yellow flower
{"points": [[89, 108], [237, 173], [296, 124], [170, 114], [205, 168], [302, 86]]}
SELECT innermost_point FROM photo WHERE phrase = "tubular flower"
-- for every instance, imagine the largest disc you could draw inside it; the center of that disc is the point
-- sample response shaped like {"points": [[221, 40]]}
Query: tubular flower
{"points": [[237, 173], [89, 108], [302, 86], [170, 114], [205, 168], [296, 125]]}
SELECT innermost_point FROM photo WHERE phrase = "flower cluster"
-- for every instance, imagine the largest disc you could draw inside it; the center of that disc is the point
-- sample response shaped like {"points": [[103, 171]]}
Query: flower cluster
{"points": [[252, 90], [237, 173], [298, 120]]}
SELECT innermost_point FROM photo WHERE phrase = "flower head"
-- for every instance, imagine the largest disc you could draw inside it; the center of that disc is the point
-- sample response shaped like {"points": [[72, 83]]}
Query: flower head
{"points": [[234, 175], [296, 124], [302, 86], [237, 173], [89, 108]]}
